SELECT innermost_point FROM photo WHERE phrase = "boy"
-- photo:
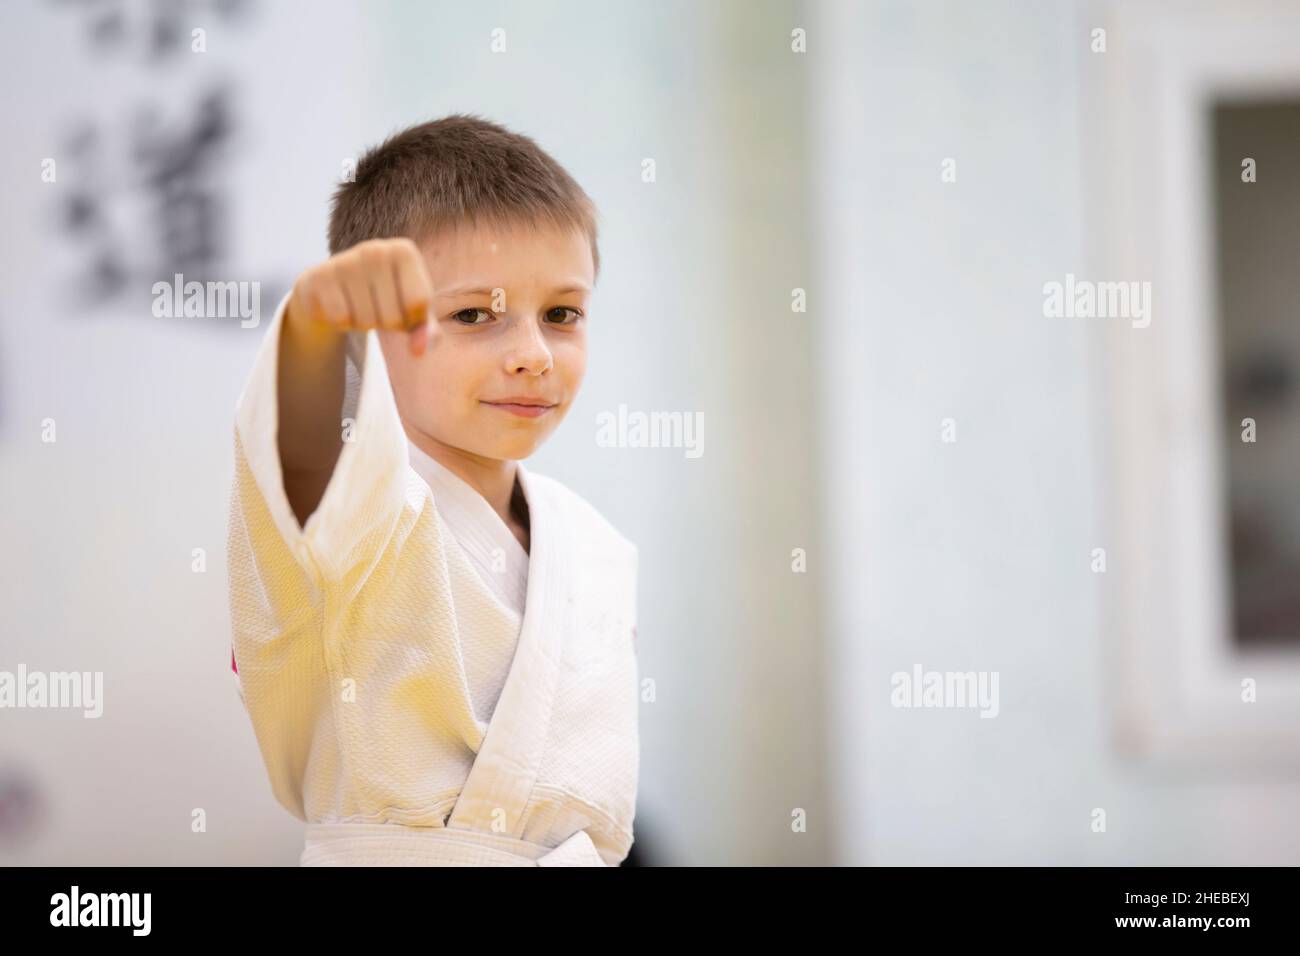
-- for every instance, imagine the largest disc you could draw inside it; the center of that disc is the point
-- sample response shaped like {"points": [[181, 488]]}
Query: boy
{"points": [[435, 645]]}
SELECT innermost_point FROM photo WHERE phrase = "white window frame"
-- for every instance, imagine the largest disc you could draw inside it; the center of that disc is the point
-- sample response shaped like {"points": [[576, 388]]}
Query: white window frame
{"points": [[1175, 671]]}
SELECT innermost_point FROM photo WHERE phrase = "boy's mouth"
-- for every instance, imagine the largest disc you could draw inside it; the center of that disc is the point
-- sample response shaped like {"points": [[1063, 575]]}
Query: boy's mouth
{"points": [[524, 406]]}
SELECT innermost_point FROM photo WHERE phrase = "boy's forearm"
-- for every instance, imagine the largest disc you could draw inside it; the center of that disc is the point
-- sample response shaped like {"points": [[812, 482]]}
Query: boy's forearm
{"points": [[311, 379]]}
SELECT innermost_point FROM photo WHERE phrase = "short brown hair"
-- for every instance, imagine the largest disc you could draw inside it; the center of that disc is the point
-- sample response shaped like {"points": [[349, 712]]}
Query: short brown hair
{"points": [[452, 171]]}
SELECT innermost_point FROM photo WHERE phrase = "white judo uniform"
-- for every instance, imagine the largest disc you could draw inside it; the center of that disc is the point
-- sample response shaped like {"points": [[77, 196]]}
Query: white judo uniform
{"points": [[408, 707]]}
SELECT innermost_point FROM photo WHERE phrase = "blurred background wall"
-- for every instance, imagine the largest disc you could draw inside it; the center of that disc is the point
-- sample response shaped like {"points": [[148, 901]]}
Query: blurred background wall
{"points": [[776, 171]]}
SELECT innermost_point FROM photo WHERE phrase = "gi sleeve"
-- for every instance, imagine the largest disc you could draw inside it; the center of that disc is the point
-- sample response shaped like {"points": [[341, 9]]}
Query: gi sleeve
{"points": [[365, 493]]}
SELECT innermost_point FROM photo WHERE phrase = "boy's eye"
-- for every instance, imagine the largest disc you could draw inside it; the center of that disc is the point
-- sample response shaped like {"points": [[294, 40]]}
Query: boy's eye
{"points": [[466, 316], [559, 313]]}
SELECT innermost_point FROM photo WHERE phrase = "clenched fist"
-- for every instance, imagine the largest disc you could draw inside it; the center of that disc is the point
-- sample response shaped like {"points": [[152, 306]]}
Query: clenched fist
{"points": [[376, 284]]}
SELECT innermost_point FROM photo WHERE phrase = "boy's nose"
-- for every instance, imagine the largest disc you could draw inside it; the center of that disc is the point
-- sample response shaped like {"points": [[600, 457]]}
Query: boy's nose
{"points": [[528, 351]]}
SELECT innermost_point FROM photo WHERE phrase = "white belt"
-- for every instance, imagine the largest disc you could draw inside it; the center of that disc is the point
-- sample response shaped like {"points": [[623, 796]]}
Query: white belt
{"points": [[390, 844]]}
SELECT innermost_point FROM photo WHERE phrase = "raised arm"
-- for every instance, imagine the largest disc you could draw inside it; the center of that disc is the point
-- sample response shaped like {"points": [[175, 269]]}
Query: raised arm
{"points": [[378, 284]]}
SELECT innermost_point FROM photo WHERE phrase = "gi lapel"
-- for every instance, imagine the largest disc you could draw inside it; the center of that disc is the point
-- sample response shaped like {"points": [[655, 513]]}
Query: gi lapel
{"points": [[507, 764]]}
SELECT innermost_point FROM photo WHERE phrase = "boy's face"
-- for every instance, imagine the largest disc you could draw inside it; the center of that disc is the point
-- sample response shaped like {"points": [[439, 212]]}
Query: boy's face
{"points": [[508, 320]]}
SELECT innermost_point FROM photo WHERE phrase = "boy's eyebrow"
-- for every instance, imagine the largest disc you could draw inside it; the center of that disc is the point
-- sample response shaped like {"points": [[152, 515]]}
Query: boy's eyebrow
{"points": [[465, 290], [479, 290]]}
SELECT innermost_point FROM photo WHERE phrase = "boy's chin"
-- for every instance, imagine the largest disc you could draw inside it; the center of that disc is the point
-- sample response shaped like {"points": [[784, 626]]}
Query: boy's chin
{"points": [[517, 450], [505, 447]]}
